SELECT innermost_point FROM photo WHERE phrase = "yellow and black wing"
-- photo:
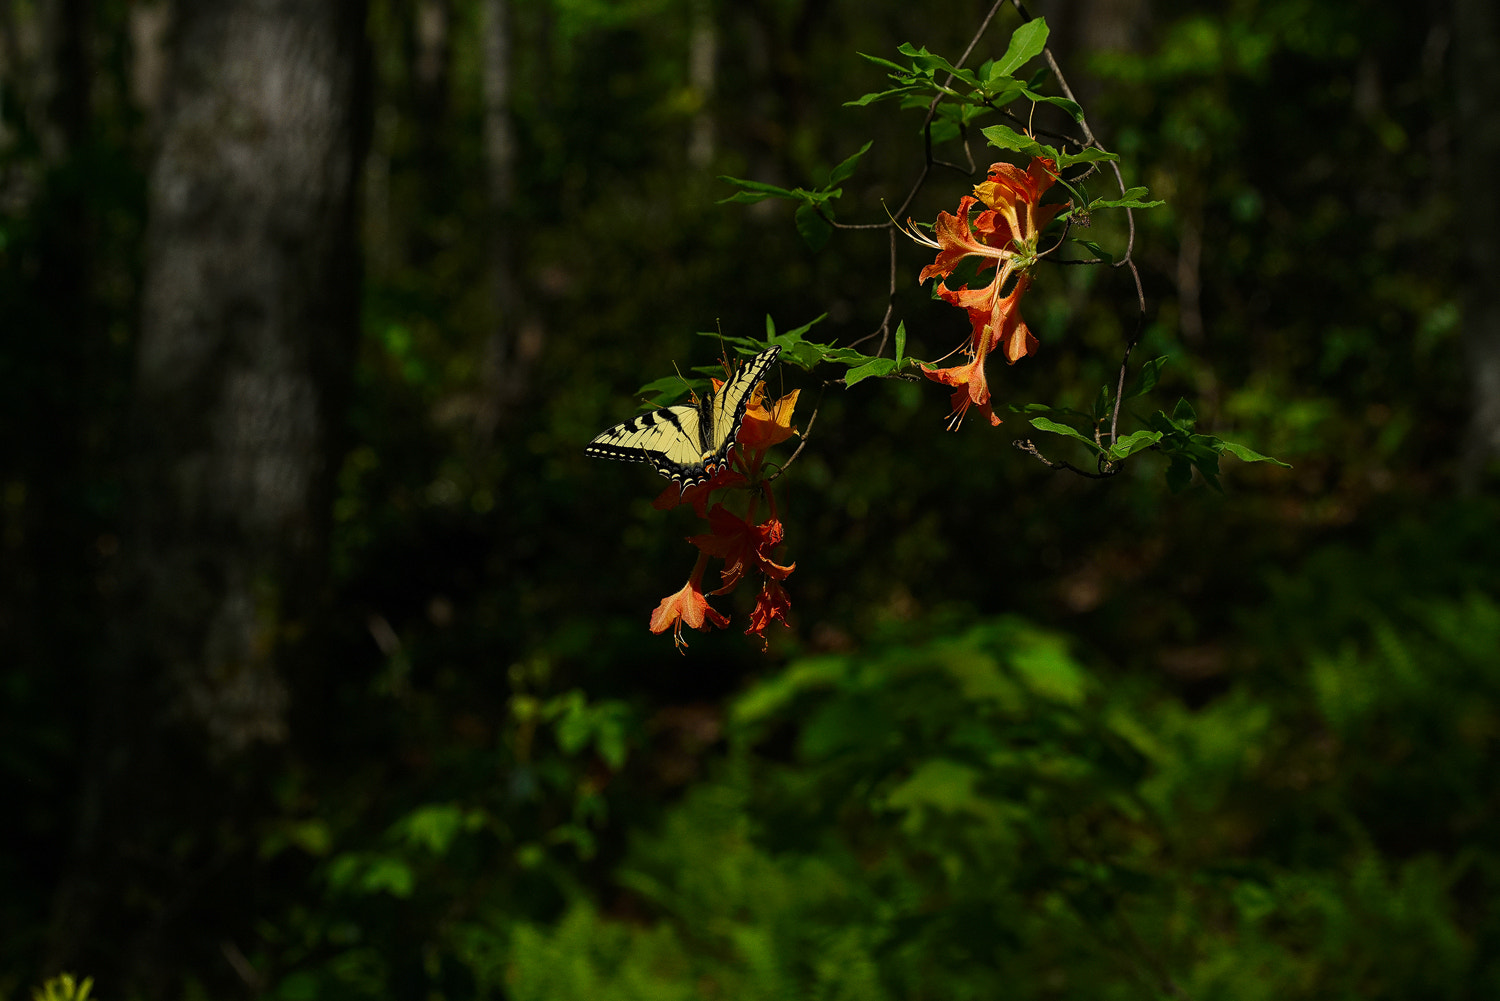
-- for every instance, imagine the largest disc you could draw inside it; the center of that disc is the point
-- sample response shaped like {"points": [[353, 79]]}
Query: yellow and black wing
{"points": [[690, 442]]}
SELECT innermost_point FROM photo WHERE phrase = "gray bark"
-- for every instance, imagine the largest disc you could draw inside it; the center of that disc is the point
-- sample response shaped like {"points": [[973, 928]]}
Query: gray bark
{"points": [[1476, 68], [247, 337], [503, 363], [703, 52]]}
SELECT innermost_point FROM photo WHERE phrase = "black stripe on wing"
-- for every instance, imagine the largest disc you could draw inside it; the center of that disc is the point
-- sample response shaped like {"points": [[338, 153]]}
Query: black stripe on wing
{"points": [[734, 396]]}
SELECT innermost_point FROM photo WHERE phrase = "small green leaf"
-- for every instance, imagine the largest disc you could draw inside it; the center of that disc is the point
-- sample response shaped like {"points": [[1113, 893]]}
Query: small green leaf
{"points": [[1026, 43], [754, 191], [998, 94], [812, 227], [1044, 424], [900, 342], [873, 367], [666, 389], [1082, 156], [1249, 455], [1071, 108], [844, 170], [1183, 416], [433, 826], [1097, 250], [1004, 137], [1133, 443], [1131, 199], [871, 98], [1145, 380], [931, 63], [390, 875], [1101, 403], [878, 61]]}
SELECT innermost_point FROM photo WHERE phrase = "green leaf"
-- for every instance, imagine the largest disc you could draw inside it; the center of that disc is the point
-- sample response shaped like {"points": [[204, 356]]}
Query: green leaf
{"points": [[794, 349], [433, 826], [812, 227], [1071, 108], [667, 389], [871, 98], [1045, 667], [754, 191], [1090, 155], [844, 170], [900, 342], [930, 63], [873, 367], [1145, 380], [1026, 43], [1133, 443], [1249, 455], [1004, 137], [1183, 416], [390, 875], [941, 785], [998, 96], [1101, 403], [879, 61], [1131, 199], [1044, 424], [1097, 250]]}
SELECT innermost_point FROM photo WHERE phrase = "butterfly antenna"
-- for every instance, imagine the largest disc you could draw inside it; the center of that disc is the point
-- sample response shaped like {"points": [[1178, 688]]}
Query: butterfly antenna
{"points": [[685, 382], [723, 351]]}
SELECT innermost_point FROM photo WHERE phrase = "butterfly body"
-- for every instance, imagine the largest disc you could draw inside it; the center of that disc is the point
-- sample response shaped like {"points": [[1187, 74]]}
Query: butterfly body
{"points": [[688, 443]]}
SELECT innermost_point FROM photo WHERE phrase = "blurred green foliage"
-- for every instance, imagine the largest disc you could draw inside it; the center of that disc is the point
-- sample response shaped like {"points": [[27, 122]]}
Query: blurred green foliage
{"points": [[1028, 736]]}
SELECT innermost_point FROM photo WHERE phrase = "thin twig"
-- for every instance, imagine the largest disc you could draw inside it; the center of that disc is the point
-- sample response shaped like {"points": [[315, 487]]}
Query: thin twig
{"points": [[803, 443], [1025, 445]]}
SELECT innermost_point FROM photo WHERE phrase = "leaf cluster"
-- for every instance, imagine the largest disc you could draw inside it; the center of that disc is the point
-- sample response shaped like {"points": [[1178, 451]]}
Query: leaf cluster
{"points": [[814, 216], [962, 94], [1172, 435]]}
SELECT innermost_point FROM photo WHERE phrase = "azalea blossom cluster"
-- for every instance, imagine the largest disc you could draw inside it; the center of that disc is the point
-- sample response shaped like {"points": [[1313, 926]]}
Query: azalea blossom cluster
{"points": [[1003, 235], [744, 543]]}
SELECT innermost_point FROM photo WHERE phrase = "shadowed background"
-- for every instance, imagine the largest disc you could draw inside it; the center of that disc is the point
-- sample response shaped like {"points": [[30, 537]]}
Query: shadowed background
{"points": [[327, 664]]}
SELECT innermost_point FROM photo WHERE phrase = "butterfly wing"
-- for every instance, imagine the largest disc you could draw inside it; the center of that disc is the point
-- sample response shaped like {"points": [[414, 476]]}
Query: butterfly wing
{"points": [[668, 438], [687, 443], [727, 410]]}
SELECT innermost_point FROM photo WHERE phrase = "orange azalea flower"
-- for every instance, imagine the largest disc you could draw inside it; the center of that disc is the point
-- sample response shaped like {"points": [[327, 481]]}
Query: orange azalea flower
{"points": [[972, 388], [762, 427], [1016, 195], [766, 426], [742, 546], [687, 606], [697, 494], [1004, 237]]}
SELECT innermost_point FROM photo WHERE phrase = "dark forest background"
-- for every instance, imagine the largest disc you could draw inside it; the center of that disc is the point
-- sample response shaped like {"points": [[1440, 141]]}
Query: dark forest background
{"points": [[326, 669]]}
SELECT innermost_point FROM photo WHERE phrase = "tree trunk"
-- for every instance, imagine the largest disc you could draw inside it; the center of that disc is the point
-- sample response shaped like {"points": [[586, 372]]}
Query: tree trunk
{"points": [[1476, 69], [248, 331], [503, 363], [703, 53]]}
